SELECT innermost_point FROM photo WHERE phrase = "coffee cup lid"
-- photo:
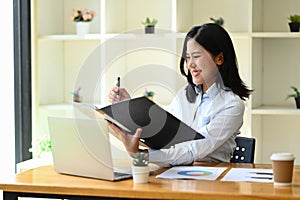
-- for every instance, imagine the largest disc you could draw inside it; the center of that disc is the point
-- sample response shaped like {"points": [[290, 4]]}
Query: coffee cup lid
{"points": [[282, 156]]}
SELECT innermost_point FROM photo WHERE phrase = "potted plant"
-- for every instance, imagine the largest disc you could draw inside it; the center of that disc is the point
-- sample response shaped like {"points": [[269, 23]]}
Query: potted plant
{"points": [[219, 21], [76, 95], [295, 95], [82, 17], [294, 23], [149, 94], [43, 148], [149, 25], [140, 168]]}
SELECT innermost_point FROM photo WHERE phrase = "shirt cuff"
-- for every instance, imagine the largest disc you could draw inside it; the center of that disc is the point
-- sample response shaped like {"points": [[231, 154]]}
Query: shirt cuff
{"points": [[157, 157]]}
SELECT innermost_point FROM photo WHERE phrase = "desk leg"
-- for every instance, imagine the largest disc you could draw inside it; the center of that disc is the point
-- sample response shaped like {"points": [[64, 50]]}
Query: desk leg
{"points": [[10, 196]]}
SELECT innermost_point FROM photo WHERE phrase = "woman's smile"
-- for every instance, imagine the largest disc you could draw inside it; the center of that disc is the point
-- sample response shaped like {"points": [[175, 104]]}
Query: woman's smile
{"points": [[196, 72]]}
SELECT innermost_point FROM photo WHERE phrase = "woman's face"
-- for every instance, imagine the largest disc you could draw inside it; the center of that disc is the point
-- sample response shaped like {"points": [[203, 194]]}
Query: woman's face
{"points": [[201, 64]]}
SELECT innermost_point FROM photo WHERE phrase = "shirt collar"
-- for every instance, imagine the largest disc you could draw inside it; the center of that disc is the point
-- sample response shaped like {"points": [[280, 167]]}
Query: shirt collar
{"points": [[198, 89], [212, 91]]}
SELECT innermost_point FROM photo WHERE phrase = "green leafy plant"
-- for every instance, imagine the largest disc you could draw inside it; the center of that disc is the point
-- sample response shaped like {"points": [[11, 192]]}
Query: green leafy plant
{"points": [[149, 22], [76, 95], [294, 18], [218, 21], [141, 159], [148, 93], [42, 145], [296, 93]]}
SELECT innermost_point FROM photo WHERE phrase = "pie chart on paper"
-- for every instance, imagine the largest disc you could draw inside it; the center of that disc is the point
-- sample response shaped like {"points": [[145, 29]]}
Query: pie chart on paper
{"points": [[195, 173], [192, 172]]}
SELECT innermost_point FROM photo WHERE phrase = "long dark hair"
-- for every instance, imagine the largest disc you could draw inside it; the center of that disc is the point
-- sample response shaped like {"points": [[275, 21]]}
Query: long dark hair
{"points": [[214, 39]]}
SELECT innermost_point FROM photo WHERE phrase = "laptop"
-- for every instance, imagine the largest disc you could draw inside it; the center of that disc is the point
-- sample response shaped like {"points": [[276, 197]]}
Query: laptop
{"points": [[82, 147]]}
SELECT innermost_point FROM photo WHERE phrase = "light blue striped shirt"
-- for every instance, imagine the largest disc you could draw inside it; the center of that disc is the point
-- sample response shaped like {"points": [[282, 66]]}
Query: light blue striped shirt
{"points": [[218, 115]]}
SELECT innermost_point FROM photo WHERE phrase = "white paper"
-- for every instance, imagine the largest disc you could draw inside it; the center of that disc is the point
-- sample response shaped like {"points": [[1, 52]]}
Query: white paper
{"points": [[249, 175], [193, 172], [90, 111]]}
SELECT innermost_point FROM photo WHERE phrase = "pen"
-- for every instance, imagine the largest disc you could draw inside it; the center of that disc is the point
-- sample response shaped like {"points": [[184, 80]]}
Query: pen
{"points": [[118, 85]]}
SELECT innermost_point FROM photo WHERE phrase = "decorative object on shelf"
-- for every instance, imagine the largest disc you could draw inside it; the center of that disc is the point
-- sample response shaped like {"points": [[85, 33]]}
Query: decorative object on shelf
{"points": [[296, 96], [42, 148], [140, 168], [149, 94], [76, 95], [82, 28], [294, 23], [149, 25], [218, 21], [82, 19]]}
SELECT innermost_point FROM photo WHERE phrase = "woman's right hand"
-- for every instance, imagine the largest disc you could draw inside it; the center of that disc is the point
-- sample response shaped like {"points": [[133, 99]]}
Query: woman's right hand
{"points": [[117, 94], [131, 142]]}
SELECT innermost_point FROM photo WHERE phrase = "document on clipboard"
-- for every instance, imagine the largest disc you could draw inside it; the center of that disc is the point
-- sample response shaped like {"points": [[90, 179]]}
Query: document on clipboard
{"points": [[160, 128]]}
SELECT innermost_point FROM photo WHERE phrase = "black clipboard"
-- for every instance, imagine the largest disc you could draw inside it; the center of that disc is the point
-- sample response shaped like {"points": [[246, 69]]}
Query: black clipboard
{"points": [[160, 128]]}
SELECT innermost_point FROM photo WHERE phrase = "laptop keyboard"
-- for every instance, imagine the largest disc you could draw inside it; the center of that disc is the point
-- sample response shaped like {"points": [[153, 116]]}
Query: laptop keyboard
{"points": [[119, 175]]}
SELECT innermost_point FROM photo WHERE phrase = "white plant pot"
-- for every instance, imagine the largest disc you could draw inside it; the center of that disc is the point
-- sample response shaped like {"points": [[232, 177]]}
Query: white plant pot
{"points": [[140, 174], [82, 28]]}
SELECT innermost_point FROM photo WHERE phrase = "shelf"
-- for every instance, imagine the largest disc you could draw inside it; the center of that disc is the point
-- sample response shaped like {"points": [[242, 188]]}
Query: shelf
{"points": [[62, 106], [275, 35], [276, 110], [145, 36], [170, 35], [167, 35], [71, 37], [236, 35], [65, 106], [112, 35]]}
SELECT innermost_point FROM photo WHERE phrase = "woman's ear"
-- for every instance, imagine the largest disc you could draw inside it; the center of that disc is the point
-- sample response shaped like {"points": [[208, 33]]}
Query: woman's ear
{"points": [[219, 59]]}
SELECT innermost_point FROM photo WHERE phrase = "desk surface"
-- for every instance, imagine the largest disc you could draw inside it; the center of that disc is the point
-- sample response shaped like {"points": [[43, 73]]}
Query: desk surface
{"points": [[44, 180]]}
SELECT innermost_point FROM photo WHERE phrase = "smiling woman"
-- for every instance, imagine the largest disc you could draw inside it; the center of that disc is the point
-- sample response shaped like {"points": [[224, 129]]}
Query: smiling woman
{"points": [[202, 65], [211, 102]]}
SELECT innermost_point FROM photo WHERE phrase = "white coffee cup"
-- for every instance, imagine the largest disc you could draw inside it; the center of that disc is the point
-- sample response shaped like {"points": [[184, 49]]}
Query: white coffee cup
{"points": [[283, 168]]}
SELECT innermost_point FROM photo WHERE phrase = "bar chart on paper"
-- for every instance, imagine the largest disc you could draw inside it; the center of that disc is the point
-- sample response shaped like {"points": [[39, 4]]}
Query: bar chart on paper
{"points": [[249, 175]]}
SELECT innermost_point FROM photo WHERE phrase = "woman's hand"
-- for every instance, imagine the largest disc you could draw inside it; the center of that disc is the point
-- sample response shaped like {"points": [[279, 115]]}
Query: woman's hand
{"points": [[117, 94], [131, 142]]}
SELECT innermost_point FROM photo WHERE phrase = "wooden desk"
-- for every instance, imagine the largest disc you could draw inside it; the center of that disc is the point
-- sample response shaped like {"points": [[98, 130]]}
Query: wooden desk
{"points": [[45, 182]]}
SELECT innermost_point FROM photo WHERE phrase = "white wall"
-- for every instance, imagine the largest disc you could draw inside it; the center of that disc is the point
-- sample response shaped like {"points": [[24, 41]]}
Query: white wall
{"points": [[7, 145]]}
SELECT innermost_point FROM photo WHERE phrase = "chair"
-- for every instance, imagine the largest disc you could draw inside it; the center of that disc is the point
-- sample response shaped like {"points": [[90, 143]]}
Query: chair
{"points": [[244, 151]]}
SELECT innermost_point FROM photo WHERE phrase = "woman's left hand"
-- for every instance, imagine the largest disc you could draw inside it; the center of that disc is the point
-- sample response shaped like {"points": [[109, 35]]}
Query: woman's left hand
{"points": [[131, 142]]}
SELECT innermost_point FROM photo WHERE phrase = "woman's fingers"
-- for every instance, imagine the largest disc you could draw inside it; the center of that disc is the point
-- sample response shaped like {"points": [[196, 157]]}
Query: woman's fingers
{"points": [[117, 94], [138, 133], [131, 142], [113, 97]]}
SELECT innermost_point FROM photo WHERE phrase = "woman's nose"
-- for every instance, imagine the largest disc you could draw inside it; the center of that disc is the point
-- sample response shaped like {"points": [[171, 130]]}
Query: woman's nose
{"points": [[191, 64]]}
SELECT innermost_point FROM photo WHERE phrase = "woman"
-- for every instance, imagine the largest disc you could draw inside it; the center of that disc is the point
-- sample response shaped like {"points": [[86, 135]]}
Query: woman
{"points": [[211, 102]]}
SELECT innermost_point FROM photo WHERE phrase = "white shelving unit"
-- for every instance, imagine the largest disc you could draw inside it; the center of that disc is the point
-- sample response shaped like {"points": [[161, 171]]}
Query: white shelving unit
{"points": [[274, 69], [267, 55]]}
